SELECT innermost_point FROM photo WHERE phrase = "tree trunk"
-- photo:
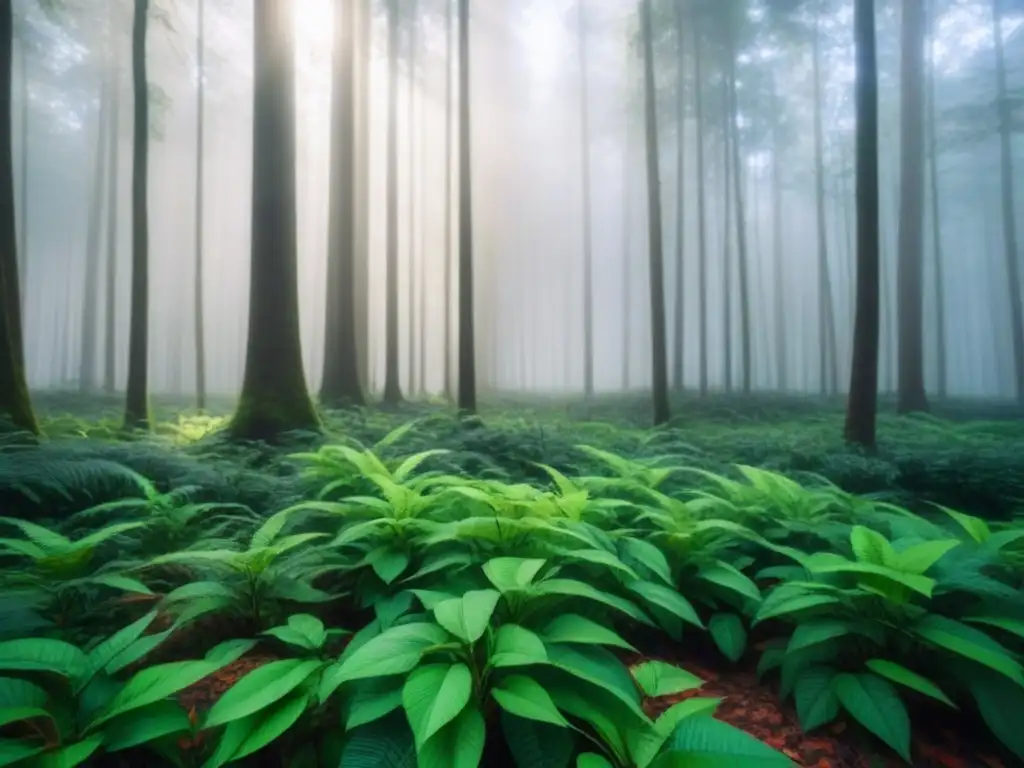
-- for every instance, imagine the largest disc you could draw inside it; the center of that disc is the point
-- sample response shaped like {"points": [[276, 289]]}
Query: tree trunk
{"points": [[15, 404], [726, 254], [26, 103], [779, 279], [1008, 202], [933, 164], [863, 401], [200, 326], [910, 277], [342, 384], [702, 242], [588, 265], [467, 353], [113, 176], [136, 414], [363, 24], [274, 397], [679, 320], [627, 260], [392, 388], [449, 19], [88, 362], [659, 362], [410, 131]]}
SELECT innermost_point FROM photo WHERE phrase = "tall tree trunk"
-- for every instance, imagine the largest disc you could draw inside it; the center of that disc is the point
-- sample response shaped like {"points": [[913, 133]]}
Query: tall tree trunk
{"points": [[392, 388], [15, 404], [26, 104], [588, 265], [200, 326], [828, 369], [726, 253], [627, 247], [113, 177], [88, 362], [363, 24], [411, 193], [863, 401], [1008, 202], [679, 319], [940, 282], [910, 276], [136, 415], [659, 351], [449, 20], [779, 279], [274, 397], [467, 353], [342, 384], [702, 241]]}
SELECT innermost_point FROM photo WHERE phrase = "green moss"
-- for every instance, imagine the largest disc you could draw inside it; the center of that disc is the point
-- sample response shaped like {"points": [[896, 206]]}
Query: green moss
{"points": [[264, 415]]}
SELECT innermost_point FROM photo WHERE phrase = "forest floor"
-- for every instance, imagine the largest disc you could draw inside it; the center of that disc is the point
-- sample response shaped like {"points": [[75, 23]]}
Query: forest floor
{"points": [[968, 456]]}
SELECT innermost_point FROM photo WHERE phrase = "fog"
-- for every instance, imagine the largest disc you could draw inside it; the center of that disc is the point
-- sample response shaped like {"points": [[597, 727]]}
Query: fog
{"points": [[528, 147]]}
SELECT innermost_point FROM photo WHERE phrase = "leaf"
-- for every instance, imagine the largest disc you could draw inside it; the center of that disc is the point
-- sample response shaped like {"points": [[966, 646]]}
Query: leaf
{"points": [[816, 701], [511, 573], [574, 588], [704, 742], [372, 699], [467, 617], [14, 751], [15, 692], [41, 654], [534, 744], [876, 705], [145, 725], [260, 688], [601, 668], [1005, 623], [253, 733], [650, 557], [656, 678], [517, 646], [524, 697], [593, 760], [302, 630], [786, 600], [645, 743], [872, 547], [969, 643], [903, 676], [1000, 704], [729, 634], [123, 583], [104, 653], [815, 632], [388, 564], [920, 557], [433, 696], [154, 684], [572, 628], [386, 743], [667, 599], [460, 744], [728, 577], [71, 755], [10, 715]]}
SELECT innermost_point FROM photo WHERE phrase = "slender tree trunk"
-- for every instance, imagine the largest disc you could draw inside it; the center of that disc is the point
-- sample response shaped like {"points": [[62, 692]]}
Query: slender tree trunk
{"points": [[363, 25], [200, 325], [940, 283], [274, 397], [411, 193], [342, 384], [863, 401], [467, 353], [910, 280], [659, 351], [726, 253], [421, 299], [15, 404], [627, 247], [449, 20], [828, 369], [702, 242], [88, 342], [679, 320], [779, 281], [26, 104], [113, 176], [588, 266], [136, 414], [392, 388], [1008, 202]]}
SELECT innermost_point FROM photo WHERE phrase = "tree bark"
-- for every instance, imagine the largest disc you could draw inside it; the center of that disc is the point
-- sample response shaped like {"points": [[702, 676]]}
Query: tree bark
{"points": [[449, 20], [274, 397], [863, 401], [88, 342], [588, 265], [679, 358], [467, 352], [702, 242], [113, 177], [779, 275], [200, 326], [392, 387], [26, 103], [940, 282]]}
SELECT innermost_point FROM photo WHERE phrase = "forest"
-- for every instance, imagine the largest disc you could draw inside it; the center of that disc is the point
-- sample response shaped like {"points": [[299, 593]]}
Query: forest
{"points": [[529, 383]]}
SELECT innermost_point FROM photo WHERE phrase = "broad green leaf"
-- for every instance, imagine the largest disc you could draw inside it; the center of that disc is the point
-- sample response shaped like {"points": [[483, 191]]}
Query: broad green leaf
{"points": [[534, 744], [876, 705], [667, 599], [145, 725], [645, 743], [154, 684], [10, 715], [785, 600], [525, 697], [41, 654], [467, 617], [460, 744], [511, 573], [15, 692], [516, 646], [599, 667], [728, 577], [371, 699], [729, 634], [816, 701], [817, 631], [574, 588], [656, 678], [651, 557], [433, 696], [71, 755], [602, 557], [974, 527], [14, 751], [1000, 703], [593, 760], [1005, 623], [253, 733], [260, 688], [872, 547], [969, 643], [572, 628], [903, 676], [123, 583], [388, 564], [104, 653], [828, 562], [920, 557], [386, 743], [704, 742]]}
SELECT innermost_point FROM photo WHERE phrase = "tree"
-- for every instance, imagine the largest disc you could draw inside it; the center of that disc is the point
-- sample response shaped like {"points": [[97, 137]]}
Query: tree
{"points": [[341, 382], [113, 174], [659, 362], [863, 399], [679, 307], [467, 350], [940, 282], [910, 281], [588, 263], [392, 388], [15, 404], [702, 239], [449, 20], [274, 397], [136, 415], [200, 329]]}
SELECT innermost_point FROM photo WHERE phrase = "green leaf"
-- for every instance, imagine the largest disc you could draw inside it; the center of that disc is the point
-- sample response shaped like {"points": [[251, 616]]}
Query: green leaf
{"points": [[40, 654], [14, 751], [154, 684], [467, 617], [974, 527], [1005, 623], [525, 697], [732, 579], [388, 564], [593, 760], [145, 725], [645, 743], [920, 557], [601, 668], [729, 634], [816, 631], [969, 643], [816, 701], [876, 705], [460, 744], [10, 715], [872, 547], [105, 652], [516, 646], [572, 628], [704, 742], [386, 743], [574, 588], [650, 557], [667, 599], [656, 678], [433, 696], [393, 652], [534, 744], [71, 755], [372, 699], [903, 676], [250, 734], [15, 692], [302, 630], [511, 573], [787, 599], [1000, 704], [260, 688]]}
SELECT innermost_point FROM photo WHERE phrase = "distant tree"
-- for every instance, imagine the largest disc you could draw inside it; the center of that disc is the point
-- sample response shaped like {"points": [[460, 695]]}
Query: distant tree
{"points": [[199, 328], [679, 306], [449, 40], [392, 387], [113, 176], [588, 265], [274, 397], [936, 207], [15, 404], [467, 346], [863, 399]]}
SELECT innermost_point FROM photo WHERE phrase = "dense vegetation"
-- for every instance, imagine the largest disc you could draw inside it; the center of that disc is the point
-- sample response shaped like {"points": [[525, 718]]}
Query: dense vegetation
{"points": [[455, 591]]}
